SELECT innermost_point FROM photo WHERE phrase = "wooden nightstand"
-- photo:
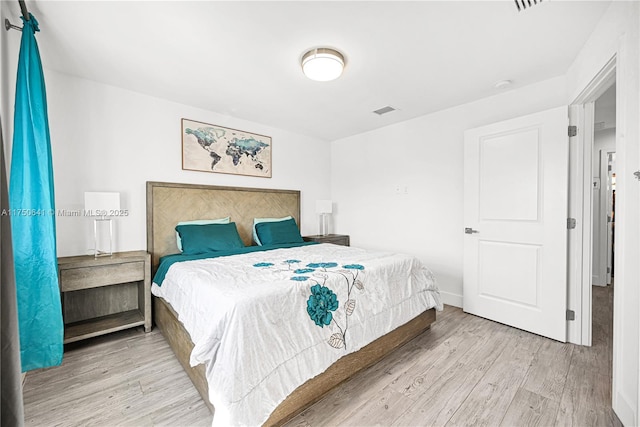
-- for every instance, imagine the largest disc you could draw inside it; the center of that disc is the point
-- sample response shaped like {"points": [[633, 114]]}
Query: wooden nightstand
{"points": [[336, 239], [105, 294]]}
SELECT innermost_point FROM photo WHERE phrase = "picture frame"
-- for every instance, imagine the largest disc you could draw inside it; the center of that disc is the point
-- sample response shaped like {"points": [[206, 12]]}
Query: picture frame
{"points": [[219, 149]]}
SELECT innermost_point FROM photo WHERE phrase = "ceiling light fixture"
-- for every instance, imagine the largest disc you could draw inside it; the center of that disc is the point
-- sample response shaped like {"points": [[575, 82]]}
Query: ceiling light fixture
{"points": [[322, 64]]}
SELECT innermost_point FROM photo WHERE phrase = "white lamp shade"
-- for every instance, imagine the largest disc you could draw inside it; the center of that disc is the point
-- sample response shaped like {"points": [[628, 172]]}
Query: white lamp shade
{"points": [[322, 64], [101, 203], [324, 206]]}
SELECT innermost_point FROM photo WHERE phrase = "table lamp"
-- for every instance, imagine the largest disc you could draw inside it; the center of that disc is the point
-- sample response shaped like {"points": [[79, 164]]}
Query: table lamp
{"points": [[101, 206], [324, 208]]}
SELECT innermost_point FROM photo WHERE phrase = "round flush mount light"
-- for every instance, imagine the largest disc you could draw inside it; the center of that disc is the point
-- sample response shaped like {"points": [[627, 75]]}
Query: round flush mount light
{"points": [[322, 64]]}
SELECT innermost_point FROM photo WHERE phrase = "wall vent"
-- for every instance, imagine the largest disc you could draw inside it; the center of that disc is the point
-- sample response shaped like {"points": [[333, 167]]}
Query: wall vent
{"points": [[523, 4], [598, 126], [384, 110]]}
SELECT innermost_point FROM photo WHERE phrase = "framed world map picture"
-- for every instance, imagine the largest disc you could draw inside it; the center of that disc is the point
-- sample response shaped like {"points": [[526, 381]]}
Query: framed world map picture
{"points": [[211, 148]]}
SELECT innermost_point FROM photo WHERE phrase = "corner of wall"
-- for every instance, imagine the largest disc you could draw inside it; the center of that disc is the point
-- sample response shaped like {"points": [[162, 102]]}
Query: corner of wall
{"points": [[451, 299]]}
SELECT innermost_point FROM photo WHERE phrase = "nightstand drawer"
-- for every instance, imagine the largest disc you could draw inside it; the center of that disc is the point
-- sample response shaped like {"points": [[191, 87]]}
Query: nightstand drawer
{"points": [[93, 277], [336, 239]]}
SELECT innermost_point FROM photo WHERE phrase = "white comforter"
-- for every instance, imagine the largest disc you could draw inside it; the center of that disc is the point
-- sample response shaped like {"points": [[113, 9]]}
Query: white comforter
{"points": [[263, 323]]}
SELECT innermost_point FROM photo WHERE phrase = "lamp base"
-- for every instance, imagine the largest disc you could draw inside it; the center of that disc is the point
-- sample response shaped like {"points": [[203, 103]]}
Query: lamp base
{"points": [[324, 225], [102, 240]]}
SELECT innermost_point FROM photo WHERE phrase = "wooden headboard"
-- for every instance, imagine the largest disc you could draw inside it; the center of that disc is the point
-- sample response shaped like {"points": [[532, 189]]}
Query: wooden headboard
{"points": [[169, 203]]}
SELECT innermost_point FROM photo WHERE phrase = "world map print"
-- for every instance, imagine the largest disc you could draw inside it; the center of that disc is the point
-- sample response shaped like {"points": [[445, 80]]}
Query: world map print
{"points": [[211, 148]]}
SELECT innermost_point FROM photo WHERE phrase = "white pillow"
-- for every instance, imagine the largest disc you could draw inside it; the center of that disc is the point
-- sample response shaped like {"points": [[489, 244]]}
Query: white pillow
{"points": [[259, 220], [199, 222]]}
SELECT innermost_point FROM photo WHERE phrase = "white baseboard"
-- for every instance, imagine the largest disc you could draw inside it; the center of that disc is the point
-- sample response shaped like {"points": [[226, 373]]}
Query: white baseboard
{"points": [[451, 299], [624, 410]]}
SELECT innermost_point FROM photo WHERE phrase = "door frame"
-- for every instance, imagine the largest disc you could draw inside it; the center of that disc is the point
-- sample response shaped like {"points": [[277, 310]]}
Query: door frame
{"points": [[580, 245]]}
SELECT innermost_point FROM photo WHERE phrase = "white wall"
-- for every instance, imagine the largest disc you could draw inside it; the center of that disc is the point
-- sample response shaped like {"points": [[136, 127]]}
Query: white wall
{"points": [[618, 33], [425, 157], [109, 139], [607, 117]]}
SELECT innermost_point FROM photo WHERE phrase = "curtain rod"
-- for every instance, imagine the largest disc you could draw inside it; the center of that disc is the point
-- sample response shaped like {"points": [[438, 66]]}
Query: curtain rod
{"points": [[23, 9], [8, 25], [25, 13]]}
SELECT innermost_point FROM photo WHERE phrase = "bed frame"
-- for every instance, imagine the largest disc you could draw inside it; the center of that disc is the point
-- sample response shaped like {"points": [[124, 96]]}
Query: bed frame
{"points": [[169, 203]]}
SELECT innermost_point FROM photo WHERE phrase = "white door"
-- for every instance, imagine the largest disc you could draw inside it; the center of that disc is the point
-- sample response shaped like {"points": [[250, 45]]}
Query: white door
{"points": [[515, 212]]}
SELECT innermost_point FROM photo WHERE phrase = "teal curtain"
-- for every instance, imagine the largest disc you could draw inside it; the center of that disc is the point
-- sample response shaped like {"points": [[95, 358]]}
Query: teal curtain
{"points": [[33, 227]]}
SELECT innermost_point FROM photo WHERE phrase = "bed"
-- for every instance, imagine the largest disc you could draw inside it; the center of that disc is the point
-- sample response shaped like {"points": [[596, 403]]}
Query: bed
{"points": [[170, 203]]}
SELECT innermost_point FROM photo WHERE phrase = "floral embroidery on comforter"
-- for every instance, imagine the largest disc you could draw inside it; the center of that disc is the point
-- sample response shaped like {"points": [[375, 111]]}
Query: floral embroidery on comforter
{"points": [[323, 301]]}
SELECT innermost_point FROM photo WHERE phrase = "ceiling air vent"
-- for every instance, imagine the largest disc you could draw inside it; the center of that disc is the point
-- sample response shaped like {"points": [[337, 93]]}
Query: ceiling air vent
{"points": [[523, 4], [384, 110]]}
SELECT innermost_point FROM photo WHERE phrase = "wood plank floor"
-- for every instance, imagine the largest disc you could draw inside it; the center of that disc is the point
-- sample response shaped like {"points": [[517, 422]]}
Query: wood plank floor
{"points": [[464, 371]]}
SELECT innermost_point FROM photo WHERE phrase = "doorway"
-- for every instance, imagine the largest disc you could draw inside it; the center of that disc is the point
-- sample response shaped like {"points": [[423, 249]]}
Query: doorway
{"points": [[603, 222], [582, 188], [603, 186]]}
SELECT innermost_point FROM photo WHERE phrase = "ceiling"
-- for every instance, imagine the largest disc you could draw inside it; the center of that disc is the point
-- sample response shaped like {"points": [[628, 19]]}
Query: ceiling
{"points": [[242, 58]]}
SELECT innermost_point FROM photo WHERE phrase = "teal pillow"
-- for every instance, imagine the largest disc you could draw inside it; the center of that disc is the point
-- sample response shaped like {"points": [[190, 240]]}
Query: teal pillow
{"points": [[226, 220], [276, 233], [199, 239], [257, 221]]}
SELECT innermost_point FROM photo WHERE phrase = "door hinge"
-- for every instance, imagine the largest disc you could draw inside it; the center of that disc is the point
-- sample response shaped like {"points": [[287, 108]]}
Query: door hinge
{"points": [[571, 223], [571, 315], [608, 270], [573, 130]]}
